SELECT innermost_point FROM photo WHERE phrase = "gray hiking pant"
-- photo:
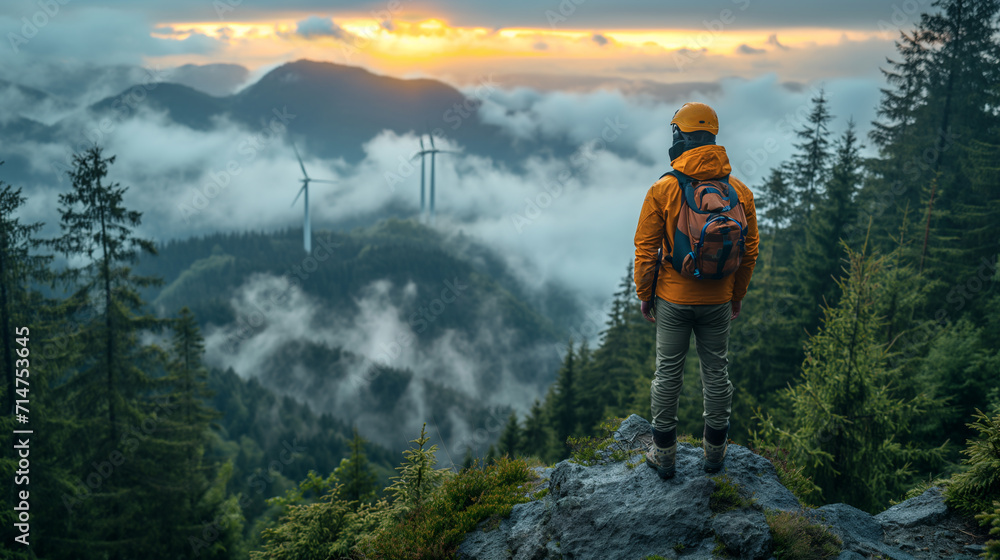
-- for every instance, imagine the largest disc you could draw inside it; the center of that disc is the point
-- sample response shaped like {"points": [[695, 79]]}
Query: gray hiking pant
{"points": [[674, 324]]}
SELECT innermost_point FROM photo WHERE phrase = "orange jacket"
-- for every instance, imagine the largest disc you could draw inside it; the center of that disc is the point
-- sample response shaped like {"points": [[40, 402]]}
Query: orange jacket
{"points": [[659, 216]]}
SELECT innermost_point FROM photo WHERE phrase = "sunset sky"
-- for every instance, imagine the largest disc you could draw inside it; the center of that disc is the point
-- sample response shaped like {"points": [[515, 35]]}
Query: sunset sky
{"points": [[462, 41]]}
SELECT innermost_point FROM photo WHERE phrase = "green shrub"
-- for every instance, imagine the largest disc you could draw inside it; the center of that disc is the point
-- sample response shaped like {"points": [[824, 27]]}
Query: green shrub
{"points": [[992, 519], [589, 451], [974, 490], [585, 450], [431, 512], [790, 475], [435, 529], [727, 496], [327, 528], [417, 478], [795, 537]]}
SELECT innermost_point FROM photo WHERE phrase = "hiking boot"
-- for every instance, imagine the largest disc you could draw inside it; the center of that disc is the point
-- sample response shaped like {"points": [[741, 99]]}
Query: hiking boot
{"points": [[715, 454], [663, 459]]}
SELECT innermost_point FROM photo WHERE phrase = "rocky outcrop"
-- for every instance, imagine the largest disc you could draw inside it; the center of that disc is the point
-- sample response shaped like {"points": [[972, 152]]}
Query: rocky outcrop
{"points": [[623, 510]]}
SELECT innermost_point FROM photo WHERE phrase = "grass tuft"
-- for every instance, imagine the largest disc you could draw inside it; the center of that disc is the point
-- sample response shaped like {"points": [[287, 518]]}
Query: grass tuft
{"points": [[727, 496], [796, 538], [791, 475]]}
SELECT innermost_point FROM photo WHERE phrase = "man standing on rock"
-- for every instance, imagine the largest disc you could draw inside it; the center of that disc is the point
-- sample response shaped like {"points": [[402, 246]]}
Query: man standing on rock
{"points": [[703, 223]]}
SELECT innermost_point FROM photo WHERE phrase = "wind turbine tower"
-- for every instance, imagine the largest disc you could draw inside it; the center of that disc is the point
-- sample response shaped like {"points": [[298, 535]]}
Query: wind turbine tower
{"points": [[306, 224], [433, 151]]}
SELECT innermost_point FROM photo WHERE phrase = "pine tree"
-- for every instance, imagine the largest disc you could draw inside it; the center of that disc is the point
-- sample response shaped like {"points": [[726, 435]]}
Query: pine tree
{"points": [[848, 420], [536, 432], [944, 90], [565, 403], [108, 388], [469, 461], [417, 476], [356, 474], [967, 229], [96, 226], [775, 202], [809, 167], [18, 266], [818, 260], [184, 493], [510, 439], [190, 416], [627, 349], [765, 348], [907, 80]]}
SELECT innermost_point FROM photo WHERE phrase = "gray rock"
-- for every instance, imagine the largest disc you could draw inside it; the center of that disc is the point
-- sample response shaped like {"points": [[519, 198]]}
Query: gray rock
{"points": [[849, 523], [629, 511], [858, 530], [925, 509], [745, 533], [612, 512], [632, 427], [485, 545]]}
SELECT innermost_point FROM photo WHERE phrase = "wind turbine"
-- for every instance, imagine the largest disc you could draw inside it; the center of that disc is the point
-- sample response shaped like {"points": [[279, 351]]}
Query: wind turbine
{"points": [[306, 224], [433, 151]]}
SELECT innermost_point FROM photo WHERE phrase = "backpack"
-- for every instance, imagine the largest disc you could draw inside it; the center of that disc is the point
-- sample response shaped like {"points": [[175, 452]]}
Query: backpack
{"points": [[711, 229]]}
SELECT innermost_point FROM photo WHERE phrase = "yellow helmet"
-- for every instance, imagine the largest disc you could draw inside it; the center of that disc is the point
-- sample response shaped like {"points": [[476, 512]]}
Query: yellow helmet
{"points": [[696, 116]]}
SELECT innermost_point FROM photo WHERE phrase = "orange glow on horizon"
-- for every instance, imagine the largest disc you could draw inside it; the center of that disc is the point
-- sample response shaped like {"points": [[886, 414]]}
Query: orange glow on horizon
{"points": [[422, 45]]}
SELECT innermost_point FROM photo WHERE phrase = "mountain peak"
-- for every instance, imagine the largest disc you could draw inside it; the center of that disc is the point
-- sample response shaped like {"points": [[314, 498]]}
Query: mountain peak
{"points": [[315, 69]]}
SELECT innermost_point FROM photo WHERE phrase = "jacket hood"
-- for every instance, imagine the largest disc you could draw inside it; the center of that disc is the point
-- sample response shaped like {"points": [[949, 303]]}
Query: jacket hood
{"points": [[703, 162]]}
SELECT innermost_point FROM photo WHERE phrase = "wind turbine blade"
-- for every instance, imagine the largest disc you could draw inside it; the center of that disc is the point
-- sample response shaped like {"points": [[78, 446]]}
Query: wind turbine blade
{"points": [[421, 142], [432, 141], [300, 194], [304, 174]]}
